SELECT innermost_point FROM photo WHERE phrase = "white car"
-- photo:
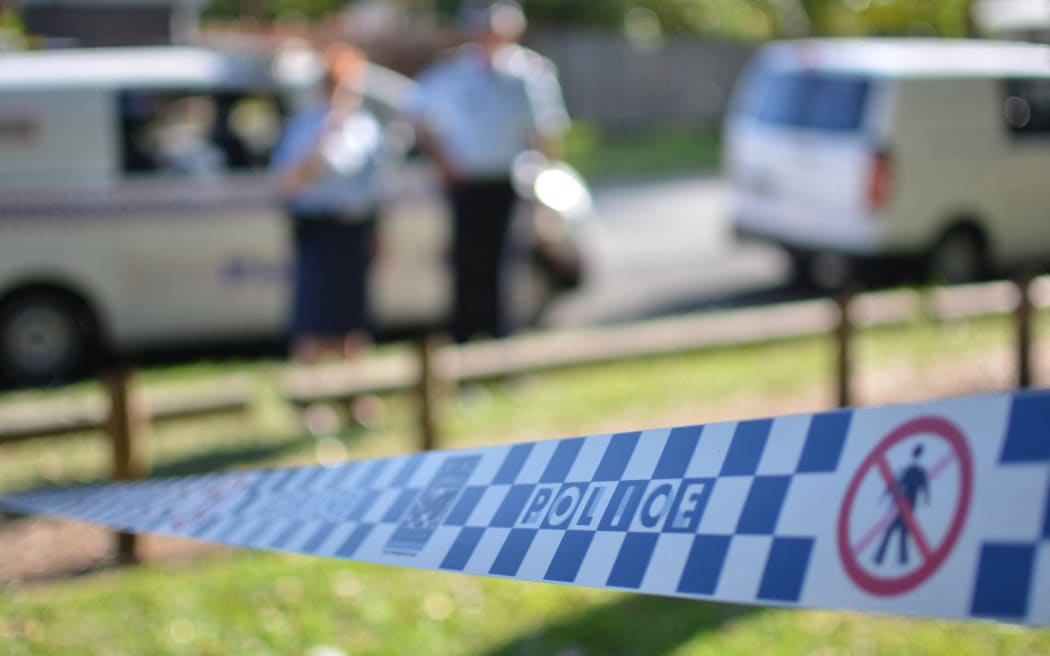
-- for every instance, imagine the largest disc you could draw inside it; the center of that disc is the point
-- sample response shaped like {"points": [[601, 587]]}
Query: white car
{"points": [[136, 212], [931, 153]]}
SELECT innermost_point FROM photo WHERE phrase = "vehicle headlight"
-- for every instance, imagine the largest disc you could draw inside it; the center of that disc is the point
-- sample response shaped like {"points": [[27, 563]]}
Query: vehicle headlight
{"points": [[563, 192]]}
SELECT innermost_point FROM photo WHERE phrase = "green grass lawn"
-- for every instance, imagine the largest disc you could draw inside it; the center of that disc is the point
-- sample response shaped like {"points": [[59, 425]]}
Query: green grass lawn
{"points": [[252, 603], [663, 149], [235, 602]]}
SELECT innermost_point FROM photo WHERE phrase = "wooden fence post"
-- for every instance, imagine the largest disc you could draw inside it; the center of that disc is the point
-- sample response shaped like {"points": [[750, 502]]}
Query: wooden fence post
{"points": [[843, 339], [428, 391], [1023, 314], [125, 425]]}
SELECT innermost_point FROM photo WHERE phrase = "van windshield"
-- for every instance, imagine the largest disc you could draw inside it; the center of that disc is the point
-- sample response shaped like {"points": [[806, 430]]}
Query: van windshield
{"points": [[822, 101]]}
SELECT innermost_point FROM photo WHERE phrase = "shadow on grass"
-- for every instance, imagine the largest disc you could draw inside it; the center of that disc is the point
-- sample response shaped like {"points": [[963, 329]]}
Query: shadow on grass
{"points": [[635, 625], [72, 573], [219, 459], [10, 517], [719, 300], [253, 454]]}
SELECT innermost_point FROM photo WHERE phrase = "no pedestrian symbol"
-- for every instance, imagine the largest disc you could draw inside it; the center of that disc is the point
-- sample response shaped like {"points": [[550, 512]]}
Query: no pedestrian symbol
{"points": [[906, 506]]}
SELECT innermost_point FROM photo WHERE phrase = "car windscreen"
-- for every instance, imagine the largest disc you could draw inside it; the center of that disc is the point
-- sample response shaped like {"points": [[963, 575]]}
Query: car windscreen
{"points": [[806, 99]]}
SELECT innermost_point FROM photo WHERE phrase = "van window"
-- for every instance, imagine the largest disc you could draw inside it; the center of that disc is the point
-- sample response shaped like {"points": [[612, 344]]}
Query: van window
{"points": [[195, 134], [1026, 107], [821, 101]]}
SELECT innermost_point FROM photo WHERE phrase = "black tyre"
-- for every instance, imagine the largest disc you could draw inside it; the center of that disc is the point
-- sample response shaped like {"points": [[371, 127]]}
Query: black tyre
{"points": [[801, 270], [960, 256], [530, 292], [45, 337], [820, 271]]}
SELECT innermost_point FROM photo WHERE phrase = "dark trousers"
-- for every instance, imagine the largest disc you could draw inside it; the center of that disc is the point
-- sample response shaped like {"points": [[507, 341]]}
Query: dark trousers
{"points": [[330, 290], [482, 212]]}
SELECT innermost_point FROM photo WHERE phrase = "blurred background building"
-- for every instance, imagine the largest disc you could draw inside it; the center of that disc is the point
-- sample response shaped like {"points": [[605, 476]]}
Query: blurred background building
{"points": [[99, 23], [625, 66]]}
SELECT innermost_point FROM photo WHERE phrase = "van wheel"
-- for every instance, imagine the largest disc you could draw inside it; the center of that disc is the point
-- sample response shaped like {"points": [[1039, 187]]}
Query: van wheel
{"points": [[960, 256], [531, 292], [820, 271], [801, 271], [45, 337]]}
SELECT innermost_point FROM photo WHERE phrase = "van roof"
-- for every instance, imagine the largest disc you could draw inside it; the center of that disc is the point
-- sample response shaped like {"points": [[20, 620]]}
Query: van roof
{"points": [[909, 57], [156, 67]]}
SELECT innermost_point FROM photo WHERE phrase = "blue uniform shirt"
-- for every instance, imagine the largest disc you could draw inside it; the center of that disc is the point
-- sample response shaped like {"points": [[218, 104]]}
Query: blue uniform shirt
{"points": [[484, 116], [352, 153]]}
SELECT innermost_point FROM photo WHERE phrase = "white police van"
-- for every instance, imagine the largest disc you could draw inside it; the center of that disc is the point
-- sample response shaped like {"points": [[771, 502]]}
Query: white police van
{"points": [[136, 211], [933, 153]]}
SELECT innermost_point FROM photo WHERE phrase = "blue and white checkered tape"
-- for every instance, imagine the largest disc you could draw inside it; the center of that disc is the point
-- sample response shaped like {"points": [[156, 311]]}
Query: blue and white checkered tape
{"points": [[937, 509]]}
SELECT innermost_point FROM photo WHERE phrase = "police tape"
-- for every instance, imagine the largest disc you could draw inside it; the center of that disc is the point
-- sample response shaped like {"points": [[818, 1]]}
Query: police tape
{"points": [[937, 509]]}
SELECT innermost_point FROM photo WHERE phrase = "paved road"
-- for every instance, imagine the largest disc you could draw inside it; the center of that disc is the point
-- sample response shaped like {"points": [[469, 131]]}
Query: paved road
{"points": [[665, 246]]}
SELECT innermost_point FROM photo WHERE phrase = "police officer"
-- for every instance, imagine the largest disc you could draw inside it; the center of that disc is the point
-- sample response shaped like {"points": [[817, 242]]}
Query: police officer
{"points": [[327, 165], [476, 110]]}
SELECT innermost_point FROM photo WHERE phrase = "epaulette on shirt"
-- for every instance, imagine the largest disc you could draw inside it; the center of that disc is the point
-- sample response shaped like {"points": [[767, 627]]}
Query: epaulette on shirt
{"points": [[525, 63]]}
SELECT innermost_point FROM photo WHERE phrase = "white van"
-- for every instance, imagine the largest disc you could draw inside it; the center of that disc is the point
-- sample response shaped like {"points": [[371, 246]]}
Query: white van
{"points": [[136, 211], [931, 153]]}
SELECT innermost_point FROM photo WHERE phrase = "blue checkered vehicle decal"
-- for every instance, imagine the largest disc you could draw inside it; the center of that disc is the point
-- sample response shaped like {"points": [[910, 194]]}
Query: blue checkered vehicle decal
{"points": [[750, 512]]}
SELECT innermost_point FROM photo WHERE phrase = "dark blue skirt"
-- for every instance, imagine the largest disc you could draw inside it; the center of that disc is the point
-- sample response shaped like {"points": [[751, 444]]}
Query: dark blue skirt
{"points": [[331, 276]]}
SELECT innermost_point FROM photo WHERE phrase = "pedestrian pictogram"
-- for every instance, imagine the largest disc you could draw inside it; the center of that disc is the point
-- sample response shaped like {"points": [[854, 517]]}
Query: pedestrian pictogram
{"points": [[905, 506], [905, 492]]}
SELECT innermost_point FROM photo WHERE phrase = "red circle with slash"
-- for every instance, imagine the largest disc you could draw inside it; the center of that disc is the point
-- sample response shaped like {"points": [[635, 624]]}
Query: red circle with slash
{"points": [[933, 556]]}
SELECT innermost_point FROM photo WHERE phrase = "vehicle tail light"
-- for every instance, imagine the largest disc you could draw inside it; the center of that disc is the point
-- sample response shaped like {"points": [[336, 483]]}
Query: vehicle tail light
{"points": [[880, 184]]}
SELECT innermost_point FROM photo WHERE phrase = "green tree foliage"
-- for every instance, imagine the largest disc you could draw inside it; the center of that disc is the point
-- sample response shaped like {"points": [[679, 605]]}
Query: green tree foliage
{"points": [[739, 19], [272, 9], [890, 17], [761, 19]]}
